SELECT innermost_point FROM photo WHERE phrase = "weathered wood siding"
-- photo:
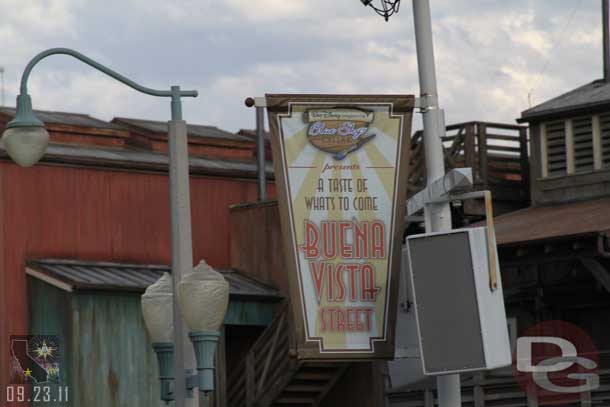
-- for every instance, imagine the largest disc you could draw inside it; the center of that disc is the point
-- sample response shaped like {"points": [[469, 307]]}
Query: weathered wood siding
{"points": [[111, 362], [257, 245], [106, 356], [99, 214], [565, 188]]}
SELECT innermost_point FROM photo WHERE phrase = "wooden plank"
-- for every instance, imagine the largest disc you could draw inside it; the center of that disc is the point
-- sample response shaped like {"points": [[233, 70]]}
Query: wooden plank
{"points": [[597, 142], [571, 164], [494, 148], [504, 137], [469, 147], [482, 145], [576, 180], [271, 352]]}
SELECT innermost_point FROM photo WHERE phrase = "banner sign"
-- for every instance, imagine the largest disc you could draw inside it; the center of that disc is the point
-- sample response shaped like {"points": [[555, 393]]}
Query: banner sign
{"points": [[341, 166]]}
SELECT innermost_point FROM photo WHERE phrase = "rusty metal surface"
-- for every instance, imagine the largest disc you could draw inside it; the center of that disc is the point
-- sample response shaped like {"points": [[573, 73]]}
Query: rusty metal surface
{"points": [[193, 129], [105, 276], [146, 160], [552, 222], [72, 119]]}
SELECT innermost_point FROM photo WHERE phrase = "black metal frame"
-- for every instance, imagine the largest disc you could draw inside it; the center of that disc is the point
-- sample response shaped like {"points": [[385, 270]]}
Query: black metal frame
{"points": [[388, 7]]}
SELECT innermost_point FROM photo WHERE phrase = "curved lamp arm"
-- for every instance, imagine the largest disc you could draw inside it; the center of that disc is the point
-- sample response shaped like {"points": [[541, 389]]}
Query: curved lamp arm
{"points": [[99, 67], [175, 93], [25, 138]]}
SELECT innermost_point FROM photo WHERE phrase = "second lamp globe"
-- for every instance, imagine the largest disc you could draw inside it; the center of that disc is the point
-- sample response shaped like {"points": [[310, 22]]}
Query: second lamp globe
{"points": [[203, 297]]}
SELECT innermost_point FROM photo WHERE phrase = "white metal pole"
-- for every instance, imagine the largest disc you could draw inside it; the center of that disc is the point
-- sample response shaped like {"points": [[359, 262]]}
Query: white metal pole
{"points": [[438, 216], [182, 246]]}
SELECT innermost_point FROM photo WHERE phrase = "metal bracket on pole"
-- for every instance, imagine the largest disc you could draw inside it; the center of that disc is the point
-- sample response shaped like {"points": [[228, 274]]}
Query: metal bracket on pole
{"points": [[456, 180], [426, 102], [491, 232]]}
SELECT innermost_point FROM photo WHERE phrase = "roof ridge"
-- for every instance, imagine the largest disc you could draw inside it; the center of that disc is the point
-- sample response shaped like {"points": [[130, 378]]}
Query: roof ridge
{"points": [[165, 122]]}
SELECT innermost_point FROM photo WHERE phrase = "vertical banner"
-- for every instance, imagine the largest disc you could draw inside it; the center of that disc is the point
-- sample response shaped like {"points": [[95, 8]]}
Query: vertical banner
{"points": [[341, 166]]}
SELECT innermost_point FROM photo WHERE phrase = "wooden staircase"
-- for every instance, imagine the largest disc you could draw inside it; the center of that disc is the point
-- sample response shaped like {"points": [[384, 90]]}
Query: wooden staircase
{"points": [[271, 374]]}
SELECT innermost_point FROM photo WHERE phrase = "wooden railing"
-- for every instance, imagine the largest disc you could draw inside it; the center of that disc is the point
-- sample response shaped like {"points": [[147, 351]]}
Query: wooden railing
{"points": [[496, 152], [259, 375]]}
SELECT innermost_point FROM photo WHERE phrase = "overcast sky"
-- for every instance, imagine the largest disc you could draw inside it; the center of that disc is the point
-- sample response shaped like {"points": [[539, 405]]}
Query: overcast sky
{"points": [[490, 54]]}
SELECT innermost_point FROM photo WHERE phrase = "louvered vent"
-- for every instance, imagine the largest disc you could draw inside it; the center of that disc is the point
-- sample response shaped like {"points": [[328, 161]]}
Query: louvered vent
{"points": [[605, 138], [556, 147], [583, 144]]}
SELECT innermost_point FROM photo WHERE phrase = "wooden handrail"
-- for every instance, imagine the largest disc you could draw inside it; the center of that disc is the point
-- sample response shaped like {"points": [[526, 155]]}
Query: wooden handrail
{"points": [[495, 151], [253, 377]]}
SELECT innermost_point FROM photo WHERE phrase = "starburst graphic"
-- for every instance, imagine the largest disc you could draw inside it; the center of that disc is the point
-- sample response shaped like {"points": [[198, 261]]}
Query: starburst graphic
{"points": [[44, 348], [45, 351], [35, 359]]}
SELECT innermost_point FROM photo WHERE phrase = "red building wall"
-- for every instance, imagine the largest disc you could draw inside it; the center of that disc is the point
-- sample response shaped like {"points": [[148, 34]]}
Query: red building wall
{"points": [[99, 214]]}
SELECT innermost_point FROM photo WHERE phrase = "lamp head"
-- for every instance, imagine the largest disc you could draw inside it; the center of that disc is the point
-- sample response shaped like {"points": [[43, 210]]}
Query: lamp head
{"points": [[386, 8], [203, 297], [158, 310], [25, 138]]}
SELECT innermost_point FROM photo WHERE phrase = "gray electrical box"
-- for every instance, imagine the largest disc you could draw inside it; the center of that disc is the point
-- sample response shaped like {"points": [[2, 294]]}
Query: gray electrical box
{"points": [[458, 300]]}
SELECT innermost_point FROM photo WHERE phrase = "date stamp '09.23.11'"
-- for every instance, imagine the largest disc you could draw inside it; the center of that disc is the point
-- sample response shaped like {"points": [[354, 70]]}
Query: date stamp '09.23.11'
{"points": [[35, 372]]}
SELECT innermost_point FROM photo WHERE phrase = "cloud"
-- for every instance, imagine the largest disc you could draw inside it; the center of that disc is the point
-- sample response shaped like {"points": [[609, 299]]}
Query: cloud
{"points": [[490, 54]]}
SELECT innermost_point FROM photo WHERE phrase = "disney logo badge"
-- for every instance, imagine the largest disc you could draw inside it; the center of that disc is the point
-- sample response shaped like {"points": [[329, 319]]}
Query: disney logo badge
{"points": [[339, 131]]}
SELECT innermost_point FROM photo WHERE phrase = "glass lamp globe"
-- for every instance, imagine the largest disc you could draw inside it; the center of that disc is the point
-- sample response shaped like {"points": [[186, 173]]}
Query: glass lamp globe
{"points": [[25, 138], [25, 145], [157, 309], [203, 297]]}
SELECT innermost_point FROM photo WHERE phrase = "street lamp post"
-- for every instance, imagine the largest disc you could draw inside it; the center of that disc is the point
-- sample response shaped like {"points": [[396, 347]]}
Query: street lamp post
{"points": [[25, 140], [203, 298], [438, 215]]}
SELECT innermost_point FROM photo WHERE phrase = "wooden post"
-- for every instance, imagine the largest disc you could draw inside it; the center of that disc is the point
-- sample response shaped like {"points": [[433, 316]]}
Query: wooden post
{"points": [[478, 391], [525, 164], [472, 207], [469, 157], [428, 398], [482, 141]]}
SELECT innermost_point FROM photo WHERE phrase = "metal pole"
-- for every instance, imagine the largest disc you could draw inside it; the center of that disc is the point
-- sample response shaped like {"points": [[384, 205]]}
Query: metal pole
{"points": [[438, 216], [606, 30], [182, 246], [260, 151]]}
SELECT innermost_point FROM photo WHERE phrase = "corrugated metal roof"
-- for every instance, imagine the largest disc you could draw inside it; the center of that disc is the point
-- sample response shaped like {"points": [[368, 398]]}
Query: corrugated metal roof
{"points": [[142, 159], [196, 130], [73, 119], [594, 95], [552, 222], [105, 276]]}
